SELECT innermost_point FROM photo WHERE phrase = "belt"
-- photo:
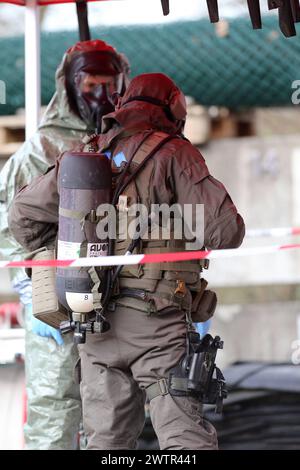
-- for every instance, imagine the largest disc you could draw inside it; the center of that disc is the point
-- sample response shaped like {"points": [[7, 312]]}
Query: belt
{"points": [[138, 294]]}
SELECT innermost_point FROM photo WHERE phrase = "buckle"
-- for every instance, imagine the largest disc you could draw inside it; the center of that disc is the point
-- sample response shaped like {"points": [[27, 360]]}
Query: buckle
{"points": [[163, 386]]}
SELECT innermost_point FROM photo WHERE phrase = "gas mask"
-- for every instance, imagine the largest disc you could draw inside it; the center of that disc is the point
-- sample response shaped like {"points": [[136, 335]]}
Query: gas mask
{"points": [[94, 96], [91, 80]]}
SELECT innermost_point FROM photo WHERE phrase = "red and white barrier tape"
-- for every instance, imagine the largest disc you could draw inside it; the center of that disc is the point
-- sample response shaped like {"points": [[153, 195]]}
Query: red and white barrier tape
{"points": [[272, 232], [151, 258]]}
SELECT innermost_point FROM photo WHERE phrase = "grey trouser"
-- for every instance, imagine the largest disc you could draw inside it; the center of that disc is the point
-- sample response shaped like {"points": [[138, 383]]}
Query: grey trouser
{"points": [[53, 398], [117, 365]]}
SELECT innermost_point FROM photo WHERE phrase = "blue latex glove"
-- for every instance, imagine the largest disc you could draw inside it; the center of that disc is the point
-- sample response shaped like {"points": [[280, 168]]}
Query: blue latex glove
{"points": [[22, 284], [203, 328], [42, 329]]}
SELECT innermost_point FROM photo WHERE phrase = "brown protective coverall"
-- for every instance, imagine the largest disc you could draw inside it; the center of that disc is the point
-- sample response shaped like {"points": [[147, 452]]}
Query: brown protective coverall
{"points": [[139, 349]]}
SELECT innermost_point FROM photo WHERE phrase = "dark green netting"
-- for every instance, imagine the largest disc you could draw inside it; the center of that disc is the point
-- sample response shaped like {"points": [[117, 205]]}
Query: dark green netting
{"points": [[247, 68]]}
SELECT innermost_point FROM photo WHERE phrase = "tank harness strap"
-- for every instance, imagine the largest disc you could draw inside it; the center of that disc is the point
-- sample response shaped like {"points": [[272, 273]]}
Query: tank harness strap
{"points": [[71, 214], [90, 216], [96, 281], [149, 145]]}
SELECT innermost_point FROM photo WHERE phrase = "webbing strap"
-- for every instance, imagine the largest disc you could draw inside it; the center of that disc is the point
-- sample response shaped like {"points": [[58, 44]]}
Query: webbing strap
{"points": [[148, 146], [71, 214], [161, 387], [155, 141], [179, 383], [95, 289], [157, 388]]}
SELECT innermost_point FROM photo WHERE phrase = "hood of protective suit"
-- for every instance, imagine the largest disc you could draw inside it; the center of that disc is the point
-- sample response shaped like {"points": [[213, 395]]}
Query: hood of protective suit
{"points": [[151, 101], [58, 112], [60, 130], [93, 100]]}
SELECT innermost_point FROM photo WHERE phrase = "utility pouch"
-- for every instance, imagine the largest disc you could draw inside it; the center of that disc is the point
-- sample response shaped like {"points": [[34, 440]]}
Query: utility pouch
{"points": [[45, 305], [204, 303]]}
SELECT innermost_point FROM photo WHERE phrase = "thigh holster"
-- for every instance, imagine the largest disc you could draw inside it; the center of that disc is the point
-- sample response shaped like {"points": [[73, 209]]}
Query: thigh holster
{"points": [[196, 375]]}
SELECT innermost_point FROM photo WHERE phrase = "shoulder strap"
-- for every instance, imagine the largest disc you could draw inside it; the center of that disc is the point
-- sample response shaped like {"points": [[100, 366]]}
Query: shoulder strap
{"points": [[146, 151], [149, 145]]}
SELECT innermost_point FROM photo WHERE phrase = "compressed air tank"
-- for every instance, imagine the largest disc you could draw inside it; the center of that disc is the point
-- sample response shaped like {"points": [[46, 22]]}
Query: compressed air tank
{"points": [[85, 182]]}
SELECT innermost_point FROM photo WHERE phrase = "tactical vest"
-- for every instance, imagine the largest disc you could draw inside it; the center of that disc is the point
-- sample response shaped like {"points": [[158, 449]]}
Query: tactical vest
{"points": [[160, 287]]}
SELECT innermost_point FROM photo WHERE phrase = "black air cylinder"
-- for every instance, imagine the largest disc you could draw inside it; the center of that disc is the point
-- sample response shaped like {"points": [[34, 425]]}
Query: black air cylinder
{"points": [[85, 182]]}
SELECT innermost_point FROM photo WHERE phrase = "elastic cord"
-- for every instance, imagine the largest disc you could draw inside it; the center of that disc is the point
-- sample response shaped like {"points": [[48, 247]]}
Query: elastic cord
{"points": [[149, 99]]}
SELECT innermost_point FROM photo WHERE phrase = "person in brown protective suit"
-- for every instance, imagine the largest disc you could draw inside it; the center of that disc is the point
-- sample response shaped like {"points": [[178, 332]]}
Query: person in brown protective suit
{"points": [[150, 315]]}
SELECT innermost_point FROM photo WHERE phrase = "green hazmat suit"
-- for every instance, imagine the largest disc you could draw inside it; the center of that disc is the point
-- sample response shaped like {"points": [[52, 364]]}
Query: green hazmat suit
{"points": [[53, 399]]}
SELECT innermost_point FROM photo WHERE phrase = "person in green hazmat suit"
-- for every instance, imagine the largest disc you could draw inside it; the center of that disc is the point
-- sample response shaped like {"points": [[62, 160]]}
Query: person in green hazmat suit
{"points": [[89, 74]]}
